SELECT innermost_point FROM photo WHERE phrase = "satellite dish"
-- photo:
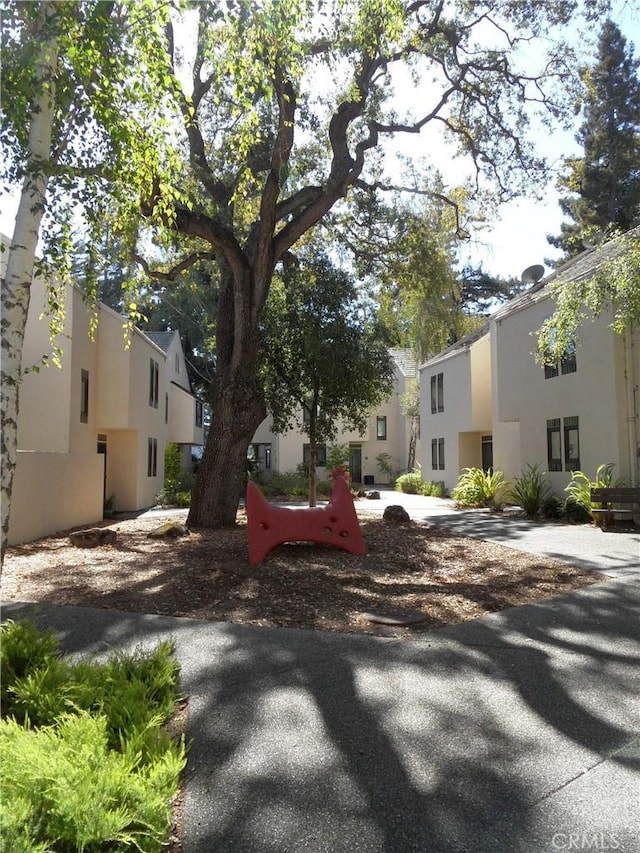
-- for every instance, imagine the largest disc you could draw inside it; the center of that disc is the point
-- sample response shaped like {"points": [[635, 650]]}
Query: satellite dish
{"points": [[533, 274]]}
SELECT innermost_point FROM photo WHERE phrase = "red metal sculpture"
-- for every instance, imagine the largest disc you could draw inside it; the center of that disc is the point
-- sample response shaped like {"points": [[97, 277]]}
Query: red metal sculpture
{"points": [[335, 524]]}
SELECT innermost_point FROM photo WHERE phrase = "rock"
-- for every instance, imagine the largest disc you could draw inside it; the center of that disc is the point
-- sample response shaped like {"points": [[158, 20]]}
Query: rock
{"points": [[373, 495], [169, 530], [396, 513], [93, 537]]}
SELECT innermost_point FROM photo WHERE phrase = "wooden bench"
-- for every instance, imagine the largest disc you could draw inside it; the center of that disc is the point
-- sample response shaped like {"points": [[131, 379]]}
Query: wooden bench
{"points": [[609, 497]]}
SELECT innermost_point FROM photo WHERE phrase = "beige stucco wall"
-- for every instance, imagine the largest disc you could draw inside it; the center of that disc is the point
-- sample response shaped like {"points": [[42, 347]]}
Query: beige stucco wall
{"points": [[595, 393], [287, 448], [467, 410], [114, 361], [54, 491], [176, 365], [182, 417], [45, 394]]}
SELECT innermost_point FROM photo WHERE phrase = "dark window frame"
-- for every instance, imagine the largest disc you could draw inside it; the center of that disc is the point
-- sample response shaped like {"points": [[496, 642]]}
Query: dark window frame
{"points": [[569, 425], [152, 457], [381, 421], [84, 396], [437, 454], [437, 393], [154, 382], [321, 455], [554, 463]]}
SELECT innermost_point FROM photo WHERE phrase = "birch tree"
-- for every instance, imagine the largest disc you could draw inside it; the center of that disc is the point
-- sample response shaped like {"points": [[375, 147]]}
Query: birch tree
{"points": [[72, 137]]}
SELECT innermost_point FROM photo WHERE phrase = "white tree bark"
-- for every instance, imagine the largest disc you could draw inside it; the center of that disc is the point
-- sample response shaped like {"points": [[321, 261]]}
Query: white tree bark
{"points": [[16, 283]]}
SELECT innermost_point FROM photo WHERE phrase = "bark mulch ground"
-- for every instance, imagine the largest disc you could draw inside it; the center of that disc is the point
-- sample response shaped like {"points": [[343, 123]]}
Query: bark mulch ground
{"points": [[412, 572]]}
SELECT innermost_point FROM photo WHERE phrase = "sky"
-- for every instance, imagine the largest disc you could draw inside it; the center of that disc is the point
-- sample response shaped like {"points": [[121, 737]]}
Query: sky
{"points": [[518, 237]]}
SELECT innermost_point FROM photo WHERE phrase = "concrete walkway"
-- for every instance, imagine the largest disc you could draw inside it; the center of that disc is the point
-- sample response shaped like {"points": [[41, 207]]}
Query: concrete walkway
{"points": [[515, 732]]}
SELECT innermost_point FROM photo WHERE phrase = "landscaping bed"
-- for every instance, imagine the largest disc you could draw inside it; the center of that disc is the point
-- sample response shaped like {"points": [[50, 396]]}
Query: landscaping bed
{"points": [[424, 573]]}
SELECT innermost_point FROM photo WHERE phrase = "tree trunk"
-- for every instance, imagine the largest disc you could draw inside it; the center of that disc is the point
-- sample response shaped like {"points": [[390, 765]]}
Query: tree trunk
{"points": [[16, 283], [238, 409]]}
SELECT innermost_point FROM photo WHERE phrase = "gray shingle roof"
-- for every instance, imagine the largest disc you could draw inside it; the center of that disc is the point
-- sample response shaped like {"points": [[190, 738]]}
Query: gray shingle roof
{"points": [[577, 269], [405, 360], [161, 339]]}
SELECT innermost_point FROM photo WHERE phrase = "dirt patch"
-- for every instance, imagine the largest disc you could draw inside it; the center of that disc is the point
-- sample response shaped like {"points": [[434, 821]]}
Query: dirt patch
{"points": [[410, 569]]}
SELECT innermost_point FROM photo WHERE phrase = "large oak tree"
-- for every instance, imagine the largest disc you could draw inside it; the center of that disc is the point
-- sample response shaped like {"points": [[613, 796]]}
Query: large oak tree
{"points": [[246, 134], [286, 108]]}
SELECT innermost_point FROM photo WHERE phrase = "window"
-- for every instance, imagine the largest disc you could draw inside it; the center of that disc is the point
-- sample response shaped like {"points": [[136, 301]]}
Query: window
{"points": [[437, 393], [437, 454], [152, 457], [564, 365], [554, 452], [154, 379], [198, 413], [571, 444], [84, 396], [166, 407], [267, 456], [321, 455], [381, 427], [177, 362]]}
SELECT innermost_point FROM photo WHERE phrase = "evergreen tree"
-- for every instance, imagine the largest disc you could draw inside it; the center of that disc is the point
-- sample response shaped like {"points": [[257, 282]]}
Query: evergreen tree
{"points": [[604, 184]]}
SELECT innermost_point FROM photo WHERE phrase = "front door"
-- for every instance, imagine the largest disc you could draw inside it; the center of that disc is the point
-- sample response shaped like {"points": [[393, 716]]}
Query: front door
{"points": [[487, 452], [355, 463]]}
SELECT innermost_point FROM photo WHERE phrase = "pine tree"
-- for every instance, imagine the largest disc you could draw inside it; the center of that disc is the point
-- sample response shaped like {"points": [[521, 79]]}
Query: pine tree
{"points": [[604, 184]]}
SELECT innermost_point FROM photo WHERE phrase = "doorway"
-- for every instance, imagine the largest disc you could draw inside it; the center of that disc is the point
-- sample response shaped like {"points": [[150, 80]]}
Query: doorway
{"points": [[102, 448], [487, 452], [355, 463]]}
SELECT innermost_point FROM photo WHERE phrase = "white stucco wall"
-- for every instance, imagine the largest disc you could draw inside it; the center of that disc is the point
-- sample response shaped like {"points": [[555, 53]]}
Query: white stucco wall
{"points": [[53, 492]]}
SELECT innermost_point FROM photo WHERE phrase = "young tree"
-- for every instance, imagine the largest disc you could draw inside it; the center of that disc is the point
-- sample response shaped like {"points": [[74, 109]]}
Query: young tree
{"points": [[324, 365], [604, 184]]}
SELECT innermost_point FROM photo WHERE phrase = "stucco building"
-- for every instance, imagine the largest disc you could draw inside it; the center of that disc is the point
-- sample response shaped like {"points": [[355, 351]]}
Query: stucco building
{"points": [[388, 431], [486, 401], [93, 429]]}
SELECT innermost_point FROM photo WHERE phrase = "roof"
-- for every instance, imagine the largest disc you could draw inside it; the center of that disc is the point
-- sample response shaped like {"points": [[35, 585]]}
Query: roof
{"points": [[161, 339], [405, 361], [582, 267], [463, 344]]}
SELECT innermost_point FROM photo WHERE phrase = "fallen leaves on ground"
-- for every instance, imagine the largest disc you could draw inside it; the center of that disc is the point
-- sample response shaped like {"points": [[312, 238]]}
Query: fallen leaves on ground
{"points": [[410, 568]]}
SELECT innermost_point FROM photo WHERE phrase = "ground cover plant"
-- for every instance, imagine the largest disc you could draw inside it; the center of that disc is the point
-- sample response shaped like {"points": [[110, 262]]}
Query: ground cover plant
{"points": [[206, 575], [88, 763]]}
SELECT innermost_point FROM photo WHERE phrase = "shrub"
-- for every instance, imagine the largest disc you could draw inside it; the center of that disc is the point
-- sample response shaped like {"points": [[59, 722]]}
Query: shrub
{"points": [[411, 483], [552, 507], [579, 491], [433, 489], [476, 487], [87, 762], [63, 788], [530, 490], [384, 461]]}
